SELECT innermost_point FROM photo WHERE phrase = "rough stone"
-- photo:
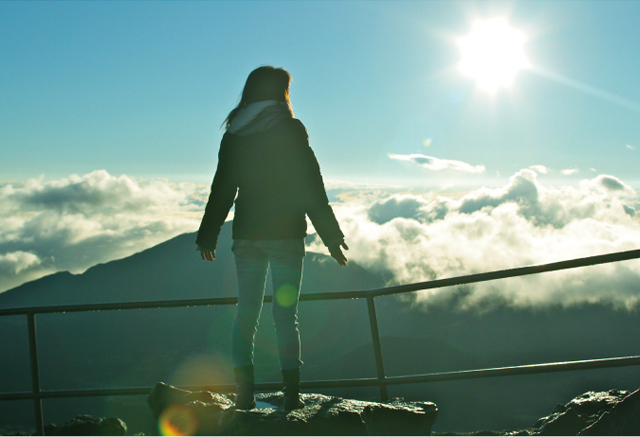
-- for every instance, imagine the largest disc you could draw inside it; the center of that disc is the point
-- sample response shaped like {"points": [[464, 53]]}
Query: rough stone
{"points": [[579, 413], [613, 412], [89, 425], [205, 413], [622, 419], [163, 394], [398, 417]]}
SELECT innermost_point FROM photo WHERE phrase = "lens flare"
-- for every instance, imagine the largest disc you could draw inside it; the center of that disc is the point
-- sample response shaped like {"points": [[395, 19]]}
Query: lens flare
{"points": [[178, 420], [202, 369], [286, 295]]}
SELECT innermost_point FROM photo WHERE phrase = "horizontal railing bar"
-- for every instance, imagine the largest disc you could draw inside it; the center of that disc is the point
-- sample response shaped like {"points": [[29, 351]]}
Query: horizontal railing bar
{"points": [[120, 306], [222, 388], [18, 396], [335, 295], [509, 273], [168, 303], [564, 366], [438, 283], [50, 394], [340, 383], [529, 369], [265, 386]]}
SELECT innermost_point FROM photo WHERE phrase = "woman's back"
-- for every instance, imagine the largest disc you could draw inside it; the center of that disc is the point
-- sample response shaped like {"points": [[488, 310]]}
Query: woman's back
{"points": [[273, 170], [277, 180]]}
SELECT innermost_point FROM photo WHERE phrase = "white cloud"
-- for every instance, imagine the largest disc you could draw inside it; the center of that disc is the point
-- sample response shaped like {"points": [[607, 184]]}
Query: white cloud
{"points": [[436, 164], [539, 169], [610, 183], [569, 171], [76, 222], [419, 238], [79, 221], [630, 147], [18, 267]]}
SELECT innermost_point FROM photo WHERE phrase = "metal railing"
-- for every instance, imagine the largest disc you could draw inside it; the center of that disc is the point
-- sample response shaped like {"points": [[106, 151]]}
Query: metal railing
{"points": [[381, 380]]}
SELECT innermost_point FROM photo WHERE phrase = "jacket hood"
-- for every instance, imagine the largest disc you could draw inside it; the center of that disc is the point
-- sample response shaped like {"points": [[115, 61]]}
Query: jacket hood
{"points": [[258, 117]]}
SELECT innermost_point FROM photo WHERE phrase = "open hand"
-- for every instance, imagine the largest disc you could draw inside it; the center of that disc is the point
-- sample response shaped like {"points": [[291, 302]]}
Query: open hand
{"points": [[337, 254], [207, 255]]}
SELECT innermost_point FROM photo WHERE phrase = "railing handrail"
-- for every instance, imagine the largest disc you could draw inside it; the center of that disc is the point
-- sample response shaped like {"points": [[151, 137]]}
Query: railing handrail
{"points": [[527, 369], [382, 381], [338, 295], [510, 273]]}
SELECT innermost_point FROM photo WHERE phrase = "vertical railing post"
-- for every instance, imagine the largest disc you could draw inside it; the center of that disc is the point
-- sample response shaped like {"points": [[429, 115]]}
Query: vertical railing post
{"points": [[35, 373], [377, 348]]}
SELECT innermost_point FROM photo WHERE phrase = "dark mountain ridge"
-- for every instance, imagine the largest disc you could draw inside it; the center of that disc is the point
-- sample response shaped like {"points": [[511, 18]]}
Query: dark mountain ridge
{"points": [[171, 270]]}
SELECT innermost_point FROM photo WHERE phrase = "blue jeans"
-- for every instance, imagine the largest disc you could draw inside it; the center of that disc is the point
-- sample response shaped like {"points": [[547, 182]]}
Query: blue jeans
{"points": [[253, 258]]}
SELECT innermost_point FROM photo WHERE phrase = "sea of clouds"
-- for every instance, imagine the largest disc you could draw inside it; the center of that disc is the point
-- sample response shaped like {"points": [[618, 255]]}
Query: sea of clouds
{"points": [[423, 237], [80, 221]]}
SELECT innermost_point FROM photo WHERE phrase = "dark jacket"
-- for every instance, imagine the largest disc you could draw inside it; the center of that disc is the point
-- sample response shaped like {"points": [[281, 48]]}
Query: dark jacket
{"points": [[277, 178]]}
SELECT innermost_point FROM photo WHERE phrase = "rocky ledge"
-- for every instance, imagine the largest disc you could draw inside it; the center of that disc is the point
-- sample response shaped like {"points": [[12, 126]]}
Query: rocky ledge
{"points": [[181, 412], [613, 412]]}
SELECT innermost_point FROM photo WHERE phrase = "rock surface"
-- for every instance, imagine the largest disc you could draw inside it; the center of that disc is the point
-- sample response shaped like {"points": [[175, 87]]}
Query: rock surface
{"points": [[88, 425], [613, 412], [579, 413], [205, 413], [622, 419]]}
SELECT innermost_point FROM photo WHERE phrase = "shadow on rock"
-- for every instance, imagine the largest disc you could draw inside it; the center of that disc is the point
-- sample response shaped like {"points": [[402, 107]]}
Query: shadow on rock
{"points": [[205, 413]]}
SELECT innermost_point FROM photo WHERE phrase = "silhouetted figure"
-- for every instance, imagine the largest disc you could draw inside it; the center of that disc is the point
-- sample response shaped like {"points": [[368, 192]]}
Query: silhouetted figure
{"points": [[266, 160]]}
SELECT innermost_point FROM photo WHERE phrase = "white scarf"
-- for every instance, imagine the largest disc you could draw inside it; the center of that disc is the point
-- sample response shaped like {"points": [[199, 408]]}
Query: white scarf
{"points": [[247, 114]]}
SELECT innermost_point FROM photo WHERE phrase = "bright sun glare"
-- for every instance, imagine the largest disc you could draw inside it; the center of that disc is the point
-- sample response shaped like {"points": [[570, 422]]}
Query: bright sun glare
{"points": [[492, 54]]}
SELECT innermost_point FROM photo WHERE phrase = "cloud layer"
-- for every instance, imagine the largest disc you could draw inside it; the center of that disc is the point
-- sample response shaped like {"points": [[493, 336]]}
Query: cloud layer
{"points": [[420, 238], [77, 222]]}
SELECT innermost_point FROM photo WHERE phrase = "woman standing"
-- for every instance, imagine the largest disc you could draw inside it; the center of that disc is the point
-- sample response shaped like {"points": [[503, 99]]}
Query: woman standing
{"points": [[266, 160]]}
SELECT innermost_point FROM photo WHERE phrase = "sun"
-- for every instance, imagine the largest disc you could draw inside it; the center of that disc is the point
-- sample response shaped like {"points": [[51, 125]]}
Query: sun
{"points": [[492, 54]]}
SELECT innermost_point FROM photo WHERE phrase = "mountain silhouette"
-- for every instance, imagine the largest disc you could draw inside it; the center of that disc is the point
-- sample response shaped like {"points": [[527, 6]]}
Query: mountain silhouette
{"points": [[173, 270]]}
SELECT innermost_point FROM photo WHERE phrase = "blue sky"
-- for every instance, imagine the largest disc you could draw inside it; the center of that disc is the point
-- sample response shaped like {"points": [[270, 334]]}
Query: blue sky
{"points": [[141, 88]]}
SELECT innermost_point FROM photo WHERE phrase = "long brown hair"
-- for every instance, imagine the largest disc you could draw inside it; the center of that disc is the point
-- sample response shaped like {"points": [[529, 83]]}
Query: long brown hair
{"points": [[263, 83]]}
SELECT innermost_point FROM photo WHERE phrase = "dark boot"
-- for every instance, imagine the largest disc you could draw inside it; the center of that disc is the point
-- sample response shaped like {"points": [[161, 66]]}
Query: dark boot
{"points": [[291, 380], [244, 388]]}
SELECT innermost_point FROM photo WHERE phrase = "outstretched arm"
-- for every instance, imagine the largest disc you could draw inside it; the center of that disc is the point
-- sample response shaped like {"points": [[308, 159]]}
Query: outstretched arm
{"points": [[337, 254], [314, 196]]}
